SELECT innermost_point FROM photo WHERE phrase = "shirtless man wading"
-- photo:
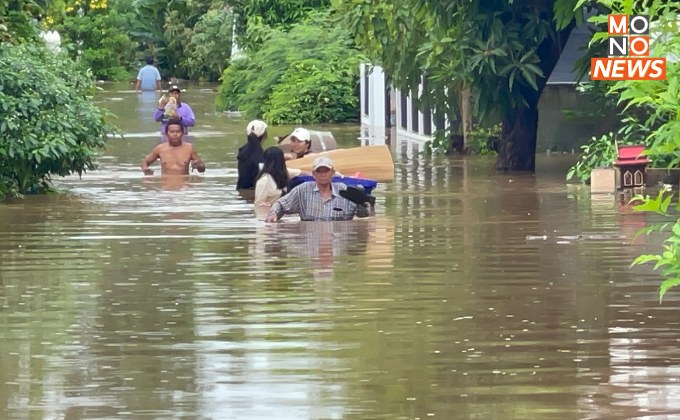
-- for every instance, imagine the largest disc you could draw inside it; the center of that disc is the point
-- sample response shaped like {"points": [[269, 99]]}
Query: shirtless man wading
{"points": [[175, 156]]}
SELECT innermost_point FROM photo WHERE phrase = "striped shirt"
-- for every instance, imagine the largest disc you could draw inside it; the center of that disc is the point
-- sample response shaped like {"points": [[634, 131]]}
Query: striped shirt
{"points": [[306, 200]]}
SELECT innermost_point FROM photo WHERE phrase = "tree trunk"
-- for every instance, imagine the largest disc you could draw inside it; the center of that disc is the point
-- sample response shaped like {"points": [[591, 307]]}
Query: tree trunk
{"points": [[517, 149], [466, 116]]}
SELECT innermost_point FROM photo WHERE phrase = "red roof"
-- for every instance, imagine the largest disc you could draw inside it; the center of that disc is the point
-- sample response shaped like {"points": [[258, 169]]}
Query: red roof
{"points": [[631, 155]]}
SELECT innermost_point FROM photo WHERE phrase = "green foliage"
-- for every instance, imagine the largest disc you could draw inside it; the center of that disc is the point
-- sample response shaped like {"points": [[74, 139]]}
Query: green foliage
{"points": [[502, 51], [48, 124], [440, 144], [147, 30], [669, 259], [209, 47], [277, 14], [596, 93], [599, 153], [413, 42], [649, 108], [309, 74], [507, 54], [659, 101], [652, 108], [99, 39], [482, 140], [188, 39], [233, 87], [17, 23]]}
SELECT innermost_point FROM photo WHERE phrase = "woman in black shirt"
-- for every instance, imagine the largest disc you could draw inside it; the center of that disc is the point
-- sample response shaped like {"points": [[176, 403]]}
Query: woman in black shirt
{"points": [[250, 155]]}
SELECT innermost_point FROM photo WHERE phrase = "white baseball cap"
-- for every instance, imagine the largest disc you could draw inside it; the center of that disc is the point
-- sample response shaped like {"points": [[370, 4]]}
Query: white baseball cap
{"points": [[301, 134], [256, 126], [322, 162]]}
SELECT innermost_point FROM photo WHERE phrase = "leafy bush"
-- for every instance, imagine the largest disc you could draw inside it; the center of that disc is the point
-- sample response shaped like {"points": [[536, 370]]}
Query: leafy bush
{"points": [[650, 107], [661, 101], [668, 260], [17, 23], [313, 91], [48, 123], [599, 153], [483, 141], [233, 85], [309, 74]]}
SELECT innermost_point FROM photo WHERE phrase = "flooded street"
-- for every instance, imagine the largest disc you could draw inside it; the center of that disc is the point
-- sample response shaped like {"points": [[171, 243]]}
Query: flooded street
{"points": [[470, 295]]}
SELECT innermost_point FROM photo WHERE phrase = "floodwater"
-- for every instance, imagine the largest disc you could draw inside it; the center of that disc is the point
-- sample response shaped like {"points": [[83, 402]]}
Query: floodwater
{"points": [[470, 295]]}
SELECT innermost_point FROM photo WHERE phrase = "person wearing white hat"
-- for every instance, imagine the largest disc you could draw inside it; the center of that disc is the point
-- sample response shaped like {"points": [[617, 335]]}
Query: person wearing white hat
{"points": [[300, 144], [318, 200], [173, 108], [251, 154]]}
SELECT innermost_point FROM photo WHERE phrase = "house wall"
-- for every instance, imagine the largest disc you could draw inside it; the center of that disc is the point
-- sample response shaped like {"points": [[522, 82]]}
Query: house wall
{"points": [[567, 120]]}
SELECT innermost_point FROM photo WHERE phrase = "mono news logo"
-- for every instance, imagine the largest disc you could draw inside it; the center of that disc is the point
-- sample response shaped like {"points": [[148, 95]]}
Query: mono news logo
{"points": [[628, 48]]}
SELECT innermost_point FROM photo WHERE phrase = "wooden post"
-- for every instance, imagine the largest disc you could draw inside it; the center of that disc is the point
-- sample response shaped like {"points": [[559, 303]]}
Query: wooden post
{"points": [[466, 116]]}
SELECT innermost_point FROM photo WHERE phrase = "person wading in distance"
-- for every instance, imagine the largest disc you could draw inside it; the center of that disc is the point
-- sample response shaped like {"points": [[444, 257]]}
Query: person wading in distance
{"points": [[182, 111]]}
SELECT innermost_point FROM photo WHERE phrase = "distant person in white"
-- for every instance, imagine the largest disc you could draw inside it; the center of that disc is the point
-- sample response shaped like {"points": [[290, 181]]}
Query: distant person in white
{"points": [[148, 78]]}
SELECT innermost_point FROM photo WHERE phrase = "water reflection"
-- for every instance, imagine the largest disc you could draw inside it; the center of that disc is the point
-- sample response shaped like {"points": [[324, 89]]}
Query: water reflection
{"points": [[146, 106], [471, 294], [324, 244], [172, 182]]}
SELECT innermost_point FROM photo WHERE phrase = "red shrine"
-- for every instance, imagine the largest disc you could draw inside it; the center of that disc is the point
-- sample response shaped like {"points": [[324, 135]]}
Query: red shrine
{"points": [[632, 165]]}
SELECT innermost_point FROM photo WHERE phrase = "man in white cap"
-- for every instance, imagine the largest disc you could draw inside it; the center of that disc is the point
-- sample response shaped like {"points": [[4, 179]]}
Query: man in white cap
{"points": [[319, 200], [182, 112], [300, 144]]}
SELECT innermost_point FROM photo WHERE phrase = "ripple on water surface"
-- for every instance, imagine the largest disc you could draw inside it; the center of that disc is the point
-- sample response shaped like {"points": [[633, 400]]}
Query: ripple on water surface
{"points": [[470, 295]]}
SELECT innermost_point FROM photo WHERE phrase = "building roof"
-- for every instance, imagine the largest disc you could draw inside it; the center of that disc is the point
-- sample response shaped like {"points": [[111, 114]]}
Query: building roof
{"points": [[563, 73]]}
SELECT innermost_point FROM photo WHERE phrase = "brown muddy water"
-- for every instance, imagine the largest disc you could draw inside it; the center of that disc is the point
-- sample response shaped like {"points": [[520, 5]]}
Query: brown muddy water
{"points": [[470, 295]]}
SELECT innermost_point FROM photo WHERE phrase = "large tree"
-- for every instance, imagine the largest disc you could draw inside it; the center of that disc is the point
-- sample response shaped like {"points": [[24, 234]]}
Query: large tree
{"points": [[501, 50]]}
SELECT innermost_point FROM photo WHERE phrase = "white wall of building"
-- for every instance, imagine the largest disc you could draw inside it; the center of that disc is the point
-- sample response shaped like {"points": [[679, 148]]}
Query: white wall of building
{"points": [[412, 126]]}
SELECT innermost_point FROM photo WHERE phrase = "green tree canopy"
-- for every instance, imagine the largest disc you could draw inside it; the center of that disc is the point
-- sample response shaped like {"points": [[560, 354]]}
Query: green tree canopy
{"points": [[502, 50]]}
